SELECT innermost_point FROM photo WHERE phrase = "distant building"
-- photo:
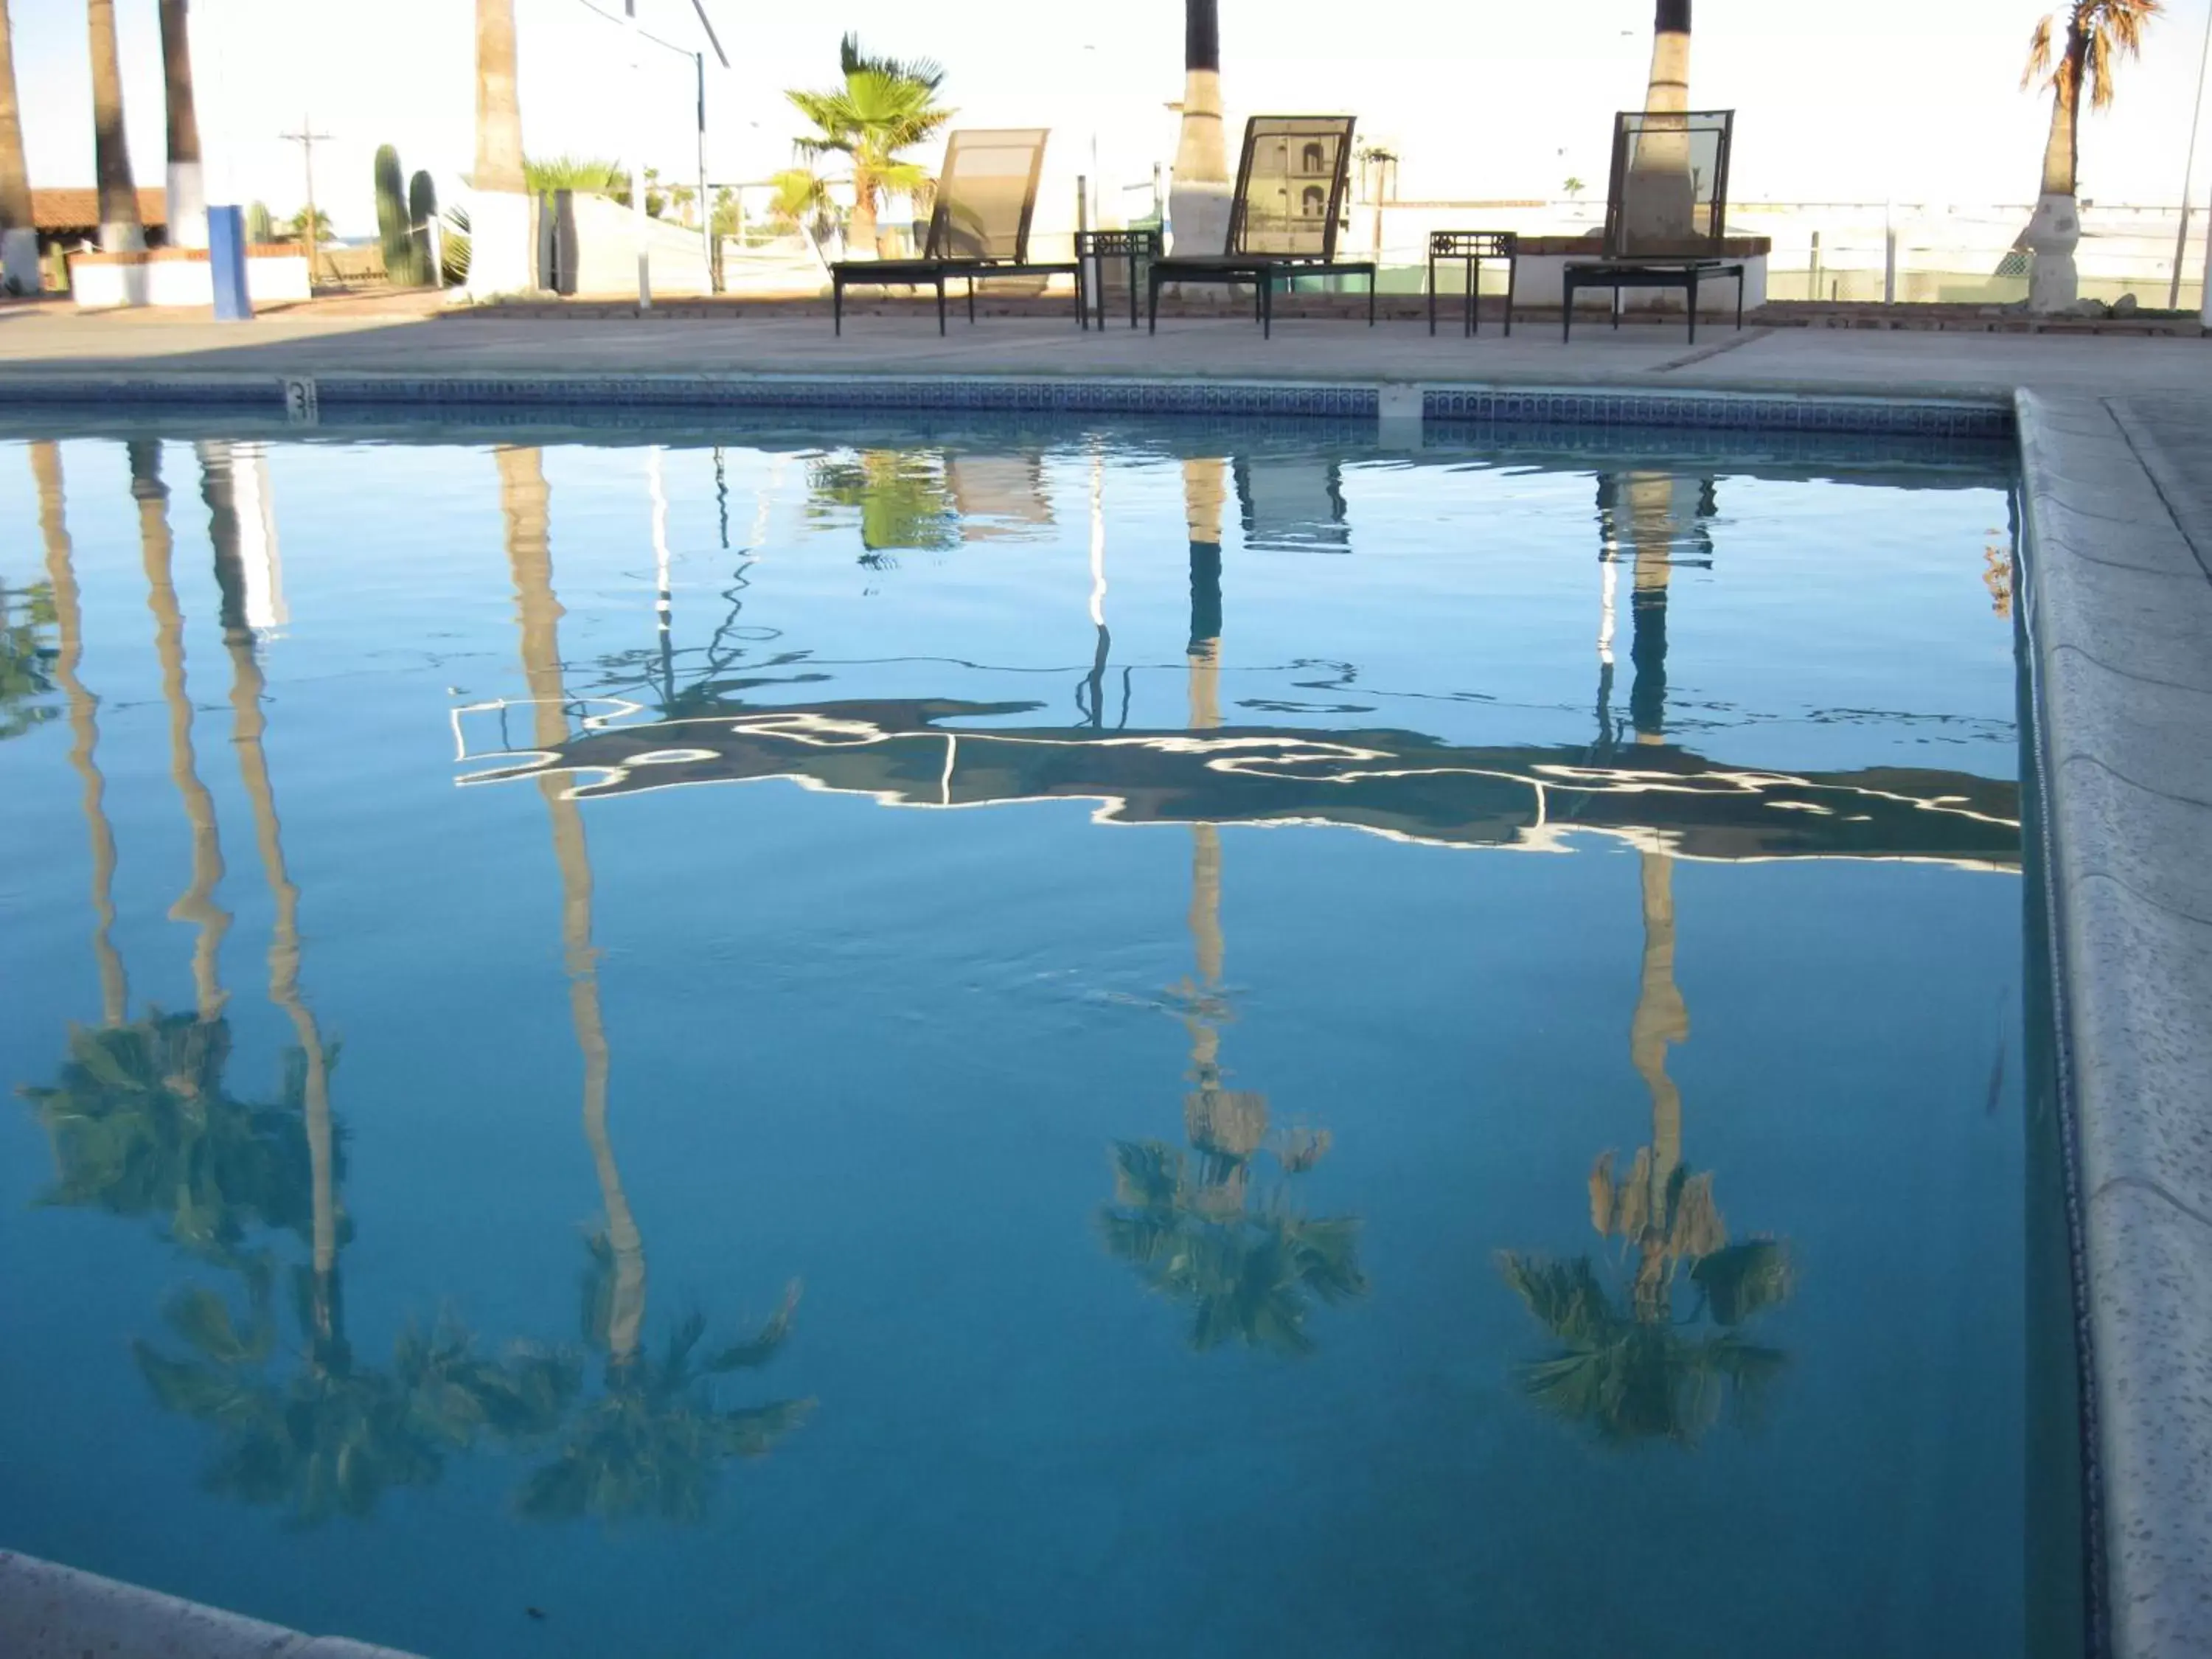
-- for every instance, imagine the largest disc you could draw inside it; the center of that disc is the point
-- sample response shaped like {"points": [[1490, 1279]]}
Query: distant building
{"points": [[69, 219]]}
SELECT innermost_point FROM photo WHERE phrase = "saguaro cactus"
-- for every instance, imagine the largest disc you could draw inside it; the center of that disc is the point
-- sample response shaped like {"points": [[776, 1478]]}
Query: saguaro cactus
{"points": [[422, 214], [392, 229]]}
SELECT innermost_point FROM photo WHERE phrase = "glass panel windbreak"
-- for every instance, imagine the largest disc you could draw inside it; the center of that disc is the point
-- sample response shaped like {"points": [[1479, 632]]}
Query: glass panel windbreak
{"points": [[999, 1040]]}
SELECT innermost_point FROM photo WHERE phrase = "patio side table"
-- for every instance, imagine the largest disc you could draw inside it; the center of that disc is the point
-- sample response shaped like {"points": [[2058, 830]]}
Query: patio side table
{"points": [[1135, 247], [1472, 247]]}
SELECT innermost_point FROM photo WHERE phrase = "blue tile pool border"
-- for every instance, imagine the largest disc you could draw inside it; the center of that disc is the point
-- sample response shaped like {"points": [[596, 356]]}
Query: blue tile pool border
{"points": [[1520, 406]]}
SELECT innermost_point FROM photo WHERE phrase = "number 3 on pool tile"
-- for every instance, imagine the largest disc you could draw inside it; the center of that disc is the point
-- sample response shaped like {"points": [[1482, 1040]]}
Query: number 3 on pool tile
{"points": [[299, 405]]}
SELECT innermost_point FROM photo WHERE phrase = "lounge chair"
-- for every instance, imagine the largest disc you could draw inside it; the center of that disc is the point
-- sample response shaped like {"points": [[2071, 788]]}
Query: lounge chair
{"points": [[1665, 211], [979, 228], [1283, 219]]}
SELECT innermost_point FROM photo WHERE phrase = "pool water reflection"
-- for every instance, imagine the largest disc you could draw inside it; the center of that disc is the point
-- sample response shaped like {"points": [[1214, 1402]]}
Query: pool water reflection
{"points": [[1098, 1147]]}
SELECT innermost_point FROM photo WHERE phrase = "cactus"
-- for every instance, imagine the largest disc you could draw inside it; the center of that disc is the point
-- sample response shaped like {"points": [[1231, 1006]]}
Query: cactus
{"points": [[391, 219], [259, 227], [421, 213]]}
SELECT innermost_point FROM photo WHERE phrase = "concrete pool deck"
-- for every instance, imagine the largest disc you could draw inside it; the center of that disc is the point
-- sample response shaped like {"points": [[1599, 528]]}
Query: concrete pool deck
{"points": [[2116, 444], [893, 341]]}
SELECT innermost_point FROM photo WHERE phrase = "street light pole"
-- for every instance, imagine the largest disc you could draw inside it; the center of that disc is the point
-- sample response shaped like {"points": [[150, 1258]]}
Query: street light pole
{"points": [[637, 160], [2188, 168], [706, 209]]}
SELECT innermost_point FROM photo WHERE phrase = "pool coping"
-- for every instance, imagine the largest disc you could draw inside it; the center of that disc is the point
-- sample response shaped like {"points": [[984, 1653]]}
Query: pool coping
{"points": [[2109, 574], [2113, 578], [48, 1611]]}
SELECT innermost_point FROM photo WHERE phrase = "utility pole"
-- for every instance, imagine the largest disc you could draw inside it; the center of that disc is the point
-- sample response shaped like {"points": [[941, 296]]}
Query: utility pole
{"points": [[2189, 172], [637, 161], [307, 138], [705, 207]]}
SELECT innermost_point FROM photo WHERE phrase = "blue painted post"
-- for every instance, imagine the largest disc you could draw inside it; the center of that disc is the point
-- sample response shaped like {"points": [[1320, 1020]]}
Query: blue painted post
{"points": [[227, 265]]}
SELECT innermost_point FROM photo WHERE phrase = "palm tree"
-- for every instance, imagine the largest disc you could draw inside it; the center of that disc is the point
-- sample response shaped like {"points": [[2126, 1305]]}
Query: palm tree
{"points": [[1204, 1227], [334, 1435], [314, 1056], [1663, 202], [903, 496], [499, 210], [1631, 1376], [311, 225], [652, 1439], [1635, 1371], [198, 906], [141, 1125], [120, 231], [84, 726], [187, 194], [19, 238], [651, 1443], [1668, 88], [25, 658], [1198, 204], [883, 106], [2099, 33]]}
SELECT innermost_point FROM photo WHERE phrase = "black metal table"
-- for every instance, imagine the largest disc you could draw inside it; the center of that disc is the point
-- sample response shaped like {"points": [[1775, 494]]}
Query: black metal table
{"points": [[1473, 246], [1635, 273], [1135, 247]]}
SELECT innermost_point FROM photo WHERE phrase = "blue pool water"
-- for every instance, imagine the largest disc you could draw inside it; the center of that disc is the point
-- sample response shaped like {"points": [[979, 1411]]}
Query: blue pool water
{"points": [[985, 1039]]}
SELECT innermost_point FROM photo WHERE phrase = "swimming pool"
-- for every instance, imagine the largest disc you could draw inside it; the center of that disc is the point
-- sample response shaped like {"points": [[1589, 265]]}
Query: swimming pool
{"points": [[979, 1036]]}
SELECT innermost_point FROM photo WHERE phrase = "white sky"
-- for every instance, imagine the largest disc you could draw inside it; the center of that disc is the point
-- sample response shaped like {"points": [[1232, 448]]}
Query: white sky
{"points": [[1912, 99]]}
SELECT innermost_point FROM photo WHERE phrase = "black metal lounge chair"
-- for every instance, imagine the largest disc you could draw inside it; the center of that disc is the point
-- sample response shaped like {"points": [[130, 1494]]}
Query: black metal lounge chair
{"points": [[1283, 220], [980, 227], [1665, 207]]}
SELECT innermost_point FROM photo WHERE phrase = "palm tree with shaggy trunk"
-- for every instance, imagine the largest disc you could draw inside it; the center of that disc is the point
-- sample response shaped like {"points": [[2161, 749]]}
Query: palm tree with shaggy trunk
{"points": [[19, 239], [1198, 204], [120, 231], [2073, 50]]}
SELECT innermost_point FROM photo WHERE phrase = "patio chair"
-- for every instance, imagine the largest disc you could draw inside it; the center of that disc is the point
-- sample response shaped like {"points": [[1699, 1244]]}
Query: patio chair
{"points": [[1283, 219], [980, 227], [1666, 208]]}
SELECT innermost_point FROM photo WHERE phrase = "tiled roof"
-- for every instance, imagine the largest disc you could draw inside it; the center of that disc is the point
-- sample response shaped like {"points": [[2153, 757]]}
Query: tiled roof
{"points": [[79, 209]]}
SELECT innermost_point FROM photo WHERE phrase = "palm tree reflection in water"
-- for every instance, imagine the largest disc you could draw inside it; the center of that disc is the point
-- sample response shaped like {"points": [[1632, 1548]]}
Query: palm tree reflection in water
{"points": [[650, 1443], [1634, 1372], [1202, 1227]]}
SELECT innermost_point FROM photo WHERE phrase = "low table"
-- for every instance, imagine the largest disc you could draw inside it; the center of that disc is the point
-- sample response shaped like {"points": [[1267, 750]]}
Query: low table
{"points": [[1094, 247], [1473, 246], [1634, 273]]}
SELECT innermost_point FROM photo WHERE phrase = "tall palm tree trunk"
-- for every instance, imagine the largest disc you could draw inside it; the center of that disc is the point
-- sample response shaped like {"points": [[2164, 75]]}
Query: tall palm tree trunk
{"points": [[2054, 230], [187, 187], [198, 904], [249, 728], [500, 251], [120, 231], [1650, 508], [1669, 88], [84, 728], [19, 237], [524, 506], [1662, 191], [1198, 200]]}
